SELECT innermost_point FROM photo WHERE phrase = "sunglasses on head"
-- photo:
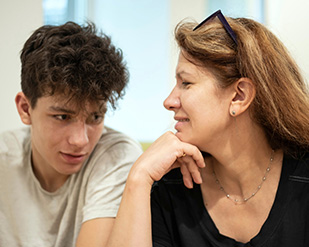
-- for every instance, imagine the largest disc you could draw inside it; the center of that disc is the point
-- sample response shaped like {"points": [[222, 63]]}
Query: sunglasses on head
{"points": [[224, 22]]}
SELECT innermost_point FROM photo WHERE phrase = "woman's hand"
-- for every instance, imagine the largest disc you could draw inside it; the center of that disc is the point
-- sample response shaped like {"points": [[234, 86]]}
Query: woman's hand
{"points": [[166, 153], [132, 226]]}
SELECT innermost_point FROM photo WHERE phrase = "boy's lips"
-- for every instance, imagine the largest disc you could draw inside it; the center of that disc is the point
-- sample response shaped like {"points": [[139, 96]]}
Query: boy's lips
{"points": [[73, 158]]}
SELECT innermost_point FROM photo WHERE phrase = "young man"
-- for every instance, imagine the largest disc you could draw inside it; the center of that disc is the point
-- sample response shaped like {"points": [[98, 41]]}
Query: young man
{"points": [[61, 178]]}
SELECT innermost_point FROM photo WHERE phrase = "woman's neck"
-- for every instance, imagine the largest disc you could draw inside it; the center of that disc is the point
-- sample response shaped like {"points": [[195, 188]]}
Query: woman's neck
{"points": [[240, 166]]}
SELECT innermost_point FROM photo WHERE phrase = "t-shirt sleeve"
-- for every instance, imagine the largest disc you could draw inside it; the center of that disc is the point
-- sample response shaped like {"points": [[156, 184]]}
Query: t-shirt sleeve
{"points": [[160, 233], [107, 179]]}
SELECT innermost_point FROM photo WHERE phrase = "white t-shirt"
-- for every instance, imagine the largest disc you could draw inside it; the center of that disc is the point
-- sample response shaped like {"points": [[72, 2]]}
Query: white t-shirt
{"points": [[33, 217]]}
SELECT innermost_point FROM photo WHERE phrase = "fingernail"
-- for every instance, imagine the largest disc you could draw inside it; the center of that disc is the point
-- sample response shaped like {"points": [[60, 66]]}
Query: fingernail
{"points": [[188, 184]]}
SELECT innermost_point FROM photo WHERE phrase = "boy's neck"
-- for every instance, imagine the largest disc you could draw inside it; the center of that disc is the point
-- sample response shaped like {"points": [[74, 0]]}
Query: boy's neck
{"points": [[48, 179]]}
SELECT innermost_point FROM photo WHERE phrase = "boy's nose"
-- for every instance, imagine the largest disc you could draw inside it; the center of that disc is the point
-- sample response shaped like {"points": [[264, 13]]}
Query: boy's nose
{"points": [[78, 135]]}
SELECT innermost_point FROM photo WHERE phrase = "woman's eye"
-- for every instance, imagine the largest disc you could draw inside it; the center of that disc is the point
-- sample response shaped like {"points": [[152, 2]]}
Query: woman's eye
{"points": [[185, 83]]}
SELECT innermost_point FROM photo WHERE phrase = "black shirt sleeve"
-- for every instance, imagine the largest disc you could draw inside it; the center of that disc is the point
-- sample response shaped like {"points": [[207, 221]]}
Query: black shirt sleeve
{"points": [[160, 233]]}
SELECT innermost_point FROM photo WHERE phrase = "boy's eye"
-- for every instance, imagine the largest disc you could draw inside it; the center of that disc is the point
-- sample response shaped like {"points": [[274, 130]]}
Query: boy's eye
{"points": [[62, 117], [95, 118]]}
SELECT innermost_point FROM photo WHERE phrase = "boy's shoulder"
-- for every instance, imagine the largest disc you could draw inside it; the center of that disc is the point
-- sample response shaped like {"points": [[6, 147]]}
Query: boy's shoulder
{"points": [[116, 145], [110, 137], [14, 142]]}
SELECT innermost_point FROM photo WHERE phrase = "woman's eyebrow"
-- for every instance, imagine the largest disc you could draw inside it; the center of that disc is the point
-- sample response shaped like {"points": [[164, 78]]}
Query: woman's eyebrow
{"points": [[183, 73], [180, 73]]}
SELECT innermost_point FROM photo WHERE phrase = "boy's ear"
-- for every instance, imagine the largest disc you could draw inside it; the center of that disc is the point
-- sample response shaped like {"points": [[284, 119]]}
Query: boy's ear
{"points": [[244, 93], [23, 107]]}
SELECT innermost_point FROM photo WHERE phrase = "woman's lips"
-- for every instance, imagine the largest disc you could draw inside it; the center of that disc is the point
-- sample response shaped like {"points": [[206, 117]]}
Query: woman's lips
{"points": [[181, 122]]}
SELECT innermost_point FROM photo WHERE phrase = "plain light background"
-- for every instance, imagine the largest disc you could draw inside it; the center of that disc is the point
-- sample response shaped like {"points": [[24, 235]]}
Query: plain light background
{"points": [[141, 113]]}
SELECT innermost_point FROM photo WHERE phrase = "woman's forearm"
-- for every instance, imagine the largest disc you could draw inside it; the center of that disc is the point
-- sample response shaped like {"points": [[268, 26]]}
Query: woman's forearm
{"points": [[132, 226]]}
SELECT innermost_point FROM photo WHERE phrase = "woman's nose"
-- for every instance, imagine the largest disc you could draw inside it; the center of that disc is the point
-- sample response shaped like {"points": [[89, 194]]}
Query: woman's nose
{"points": [[172, 102]]}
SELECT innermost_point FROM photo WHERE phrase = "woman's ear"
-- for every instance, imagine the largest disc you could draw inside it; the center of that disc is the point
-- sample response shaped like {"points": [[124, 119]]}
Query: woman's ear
{"points": [[244, 93], [23, 106]]}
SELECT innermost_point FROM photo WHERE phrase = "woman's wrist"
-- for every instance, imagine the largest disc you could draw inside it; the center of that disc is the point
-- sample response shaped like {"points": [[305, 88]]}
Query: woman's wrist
{"points": [[139, 178]]}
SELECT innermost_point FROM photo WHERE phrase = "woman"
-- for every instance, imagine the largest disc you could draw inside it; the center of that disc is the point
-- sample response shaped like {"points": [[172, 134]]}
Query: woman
{"points": [[242, 112]]}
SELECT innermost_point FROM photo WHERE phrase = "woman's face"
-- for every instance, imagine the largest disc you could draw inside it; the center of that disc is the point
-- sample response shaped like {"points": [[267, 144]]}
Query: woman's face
{"points": [[201, 108]]}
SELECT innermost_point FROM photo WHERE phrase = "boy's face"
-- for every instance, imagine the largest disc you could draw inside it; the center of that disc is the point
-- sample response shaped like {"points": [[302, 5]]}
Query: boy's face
{"points": [[62, 135]]}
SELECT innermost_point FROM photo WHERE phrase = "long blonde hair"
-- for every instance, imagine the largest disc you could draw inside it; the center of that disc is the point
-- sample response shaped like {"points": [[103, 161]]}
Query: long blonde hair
{"points": [[281, 105]]}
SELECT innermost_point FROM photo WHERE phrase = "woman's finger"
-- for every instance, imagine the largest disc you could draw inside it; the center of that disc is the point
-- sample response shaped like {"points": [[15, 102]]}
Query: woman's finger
{"points": [[186, 176], [190, 170], [193, 152], [165, 154]]}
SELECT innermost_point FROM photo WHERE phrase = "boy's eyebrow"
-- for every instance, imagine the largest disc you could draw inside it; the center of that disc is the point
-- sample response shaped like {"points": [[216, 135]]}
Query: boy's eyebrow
{"points": [[102, 109], [61, 109]]}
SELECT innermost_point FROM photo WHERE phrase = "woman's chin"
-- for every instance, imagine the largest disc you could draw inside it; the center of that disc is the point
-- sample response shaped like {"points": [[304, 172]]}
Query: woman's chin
{"points": [[181, 136], [184, 138]]}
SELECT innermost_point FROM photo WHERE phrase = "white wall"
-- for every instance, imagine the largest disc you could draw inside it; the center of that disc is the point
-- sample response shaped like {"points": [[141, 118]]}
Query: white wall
{"points": [[289, 20], [17, 21]]}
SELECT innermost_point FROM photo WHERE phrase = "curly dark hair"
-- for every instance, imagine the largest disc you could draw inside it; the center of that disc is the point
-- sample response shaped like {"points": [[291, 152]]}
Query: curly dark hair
{"points": [[75, 61]]}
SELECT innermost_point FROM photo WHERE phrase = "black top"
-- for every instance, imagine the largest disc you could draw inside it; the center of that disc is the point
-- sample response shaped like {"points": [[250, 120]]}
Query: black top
{"points": [[180, 219]]}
